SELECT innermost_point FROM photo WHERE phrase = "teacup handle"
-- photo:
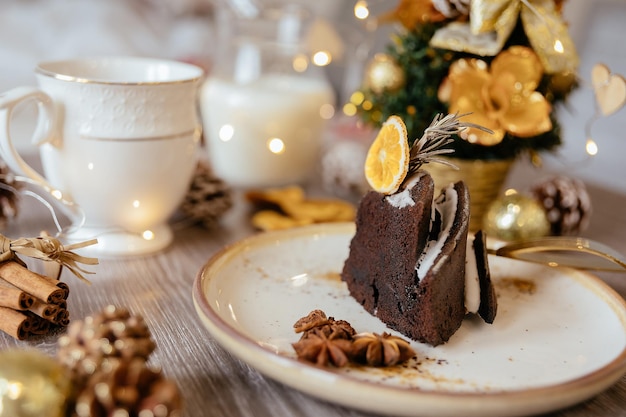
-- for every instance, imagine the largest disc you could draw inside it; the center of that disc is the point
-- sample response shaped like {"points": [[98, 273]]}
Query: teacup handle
{"points": [[44, 133]]}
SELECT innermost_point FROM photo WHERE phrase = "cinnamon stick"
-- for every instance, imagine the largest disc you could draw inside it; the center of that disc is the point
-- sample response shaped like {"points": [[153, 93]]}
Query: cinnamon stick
{"points": [[46, 311], [62, 318], [15, 298], [37, 325], [30, 282], [14, 323], [52, 269], [60, 284]]}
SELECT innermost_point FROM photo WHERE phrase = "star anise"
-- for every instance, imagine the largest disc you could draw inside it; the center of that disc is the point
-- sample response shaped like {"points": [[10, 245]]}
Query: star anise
{"points": [[326, 341], [313, 319], [380, 350], [323, 349], [317, 323]]}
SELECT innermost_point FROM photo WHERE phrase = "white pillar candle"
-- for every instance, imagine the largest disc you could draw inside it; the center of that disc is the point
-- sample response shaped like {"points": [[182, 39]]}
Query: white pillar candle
{"points": [[266, 132]]}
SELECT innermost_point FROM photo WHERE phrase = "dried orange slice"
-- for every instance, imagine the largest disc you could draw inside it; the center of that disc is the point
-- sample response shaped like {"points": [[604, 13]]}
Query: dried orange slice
{"points": [[387, 161]]}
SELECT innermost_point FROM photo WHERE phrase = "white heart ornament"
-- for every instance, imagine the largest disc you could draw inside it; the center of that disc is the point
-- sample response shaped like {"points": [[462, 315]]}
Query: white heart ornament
{"points": [[609, 89]]}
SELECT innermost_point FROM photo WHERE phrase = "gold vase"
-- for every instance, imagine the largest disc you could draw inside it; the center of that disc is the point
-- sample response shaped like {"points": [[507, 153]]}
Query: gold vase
{"points": [[484, 179]]}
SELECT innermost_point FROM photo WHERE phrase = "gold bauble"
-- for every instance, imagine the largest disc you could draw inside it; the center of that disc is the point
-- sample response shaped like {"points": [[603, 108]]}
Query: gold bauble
{"points": [[383, 74], [32, 385], [515, 217]]}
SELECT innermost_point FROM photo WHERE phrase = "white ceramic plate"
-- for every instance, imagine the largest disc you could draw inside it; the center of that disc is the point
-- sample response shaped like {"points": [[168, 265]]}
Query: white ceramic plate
{"points": [[558, 344]]}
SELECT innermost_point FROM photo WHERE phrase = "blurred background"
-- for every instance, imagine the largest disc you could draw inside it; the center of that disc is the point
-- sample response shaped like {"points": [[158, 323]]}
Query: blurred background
{"points": [[37, 30]]}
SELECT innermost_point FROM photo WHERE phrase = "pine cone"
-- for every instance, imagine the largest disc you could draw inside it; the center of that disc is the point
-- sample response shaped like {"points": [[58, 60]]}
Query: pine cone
{"points": [[113, 333], [567, 204], [8, 196], [208, 197], [128, 388]]}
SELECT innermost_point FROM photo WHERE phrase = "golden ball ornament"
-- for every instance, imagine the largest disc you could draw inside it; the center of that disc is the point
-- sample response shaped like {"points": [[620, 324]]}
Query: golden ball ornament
{"points": [[515, 217], [383, 74], [32, 385]]}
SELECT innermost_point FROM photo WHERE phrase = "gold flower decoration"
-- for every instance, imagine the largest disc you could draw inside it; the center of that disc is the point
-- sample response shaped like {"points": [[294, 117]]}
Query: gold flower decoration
{"points": [[411, 13], [501, 98]]}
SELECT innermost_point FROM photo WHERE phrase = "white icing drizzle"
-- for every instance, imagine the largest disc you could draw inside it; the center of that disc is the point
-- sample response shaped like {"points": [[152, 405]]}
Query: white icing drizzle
{"points": [[472, 284], [446, 205], [403, 198]]}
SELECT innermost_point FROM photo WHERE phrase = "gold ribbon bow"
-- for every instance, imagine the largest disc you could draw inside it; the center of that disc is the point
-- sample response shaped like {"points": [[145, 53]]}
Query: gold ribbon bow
{"points": [[48, 248], [492, 21]]}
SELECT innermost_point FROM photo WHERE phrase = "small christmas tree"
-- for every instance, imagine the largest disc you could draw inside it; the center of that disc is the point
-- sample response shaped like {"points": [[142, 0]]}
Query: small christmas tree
{"points": [[507, 63]]}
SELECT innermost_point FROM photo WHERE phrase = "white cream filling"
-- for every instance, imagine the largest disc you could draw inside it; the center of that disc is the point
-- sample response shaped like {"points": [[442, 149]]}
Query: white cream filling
{"points": [[446, 205], [403, 198], [472, 283]]}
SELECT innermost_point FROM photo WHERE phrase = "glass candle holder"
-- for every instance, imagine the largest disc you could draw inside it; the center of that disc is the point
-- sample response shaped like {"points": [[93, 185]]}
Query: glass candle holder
{"points": [[264, 105]]}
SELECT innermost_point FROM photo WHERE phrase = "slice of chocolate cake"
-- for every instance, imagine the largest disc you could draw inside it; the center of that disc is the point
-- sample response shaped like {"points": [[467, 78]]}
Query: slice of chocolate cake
{"points": [[407, 260], [440, 270], [405, 272], [390, 232]]}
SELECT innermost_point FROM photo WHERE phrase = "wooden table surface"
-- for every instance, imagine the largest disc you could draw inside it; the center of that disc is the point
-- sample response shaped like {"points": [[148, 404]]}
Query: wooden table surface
{"points": [[212, 381]]}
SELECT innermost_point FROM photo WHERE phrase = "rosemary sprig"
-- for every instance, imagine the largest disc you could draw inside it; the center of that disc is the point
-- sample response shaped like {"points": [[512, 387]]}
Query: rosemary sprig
{"points": [[431, 145]]}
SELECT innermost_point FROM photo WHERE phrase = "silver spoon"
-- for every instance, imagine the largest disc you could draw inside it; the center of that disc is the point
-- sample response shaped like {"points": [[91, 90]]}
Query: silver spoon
{"points": [[573, 252]]}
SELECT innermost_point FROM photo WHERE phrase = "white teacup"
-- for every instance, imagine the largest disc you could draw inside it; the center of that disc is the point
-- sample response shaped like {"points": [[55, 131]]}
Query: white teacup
{"points": [[117, 138]]}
